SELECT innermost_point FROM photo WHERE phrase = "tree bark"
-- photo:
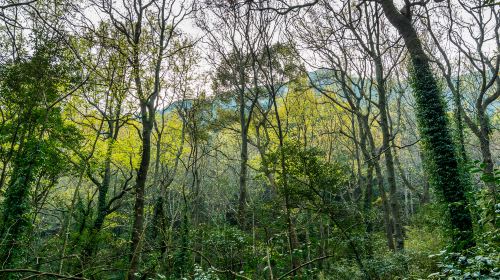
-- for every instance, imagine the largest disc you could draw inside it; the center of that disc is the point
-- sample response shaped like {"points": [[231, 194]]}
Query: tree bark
{"points": [[389, 160], [372, 158], [386, 209], [243, 165], [138, 226]]}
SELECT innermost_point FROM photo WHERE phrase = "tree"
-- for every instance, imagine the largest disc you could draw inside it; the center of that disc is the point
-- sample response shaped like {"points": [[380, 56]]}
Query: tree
{"points": [[434, 128], [33, 88], [108, 83], [168, 139], [356, 77], [473, 74], [232, 36], [148, 27]]}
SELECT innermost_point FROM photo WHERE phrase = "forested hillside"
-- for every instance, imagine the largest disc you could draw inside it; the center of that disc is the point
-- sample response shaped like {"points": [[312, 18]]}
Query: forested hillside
{"points": [[249, 139]]}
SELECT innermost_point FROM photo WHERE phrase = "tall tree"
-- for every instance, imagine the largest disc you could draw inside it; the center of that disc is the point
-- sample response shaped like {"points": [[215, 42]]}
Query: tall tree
{"points": [[32, 87], [434, 127], [232, 36], [149, 29], [470, 66]]}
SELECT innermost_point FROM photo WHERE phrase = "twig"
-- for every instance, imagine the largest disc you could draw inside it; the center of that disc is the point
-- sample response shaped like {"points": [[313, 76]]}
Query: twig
{"points": [[17, 4], [302, 265]]}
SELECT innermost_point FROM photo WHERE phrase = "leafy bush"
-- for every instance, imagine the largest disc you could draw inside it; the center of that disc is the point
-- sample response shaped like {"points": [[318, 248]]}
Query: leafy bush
{"points": [[456, 266]]}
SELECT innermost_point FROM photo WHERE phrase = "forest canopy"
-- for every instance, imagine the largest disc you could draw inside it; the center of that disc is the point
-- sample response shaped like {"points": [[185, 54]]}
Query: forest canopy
{"points": [[249, 139]]}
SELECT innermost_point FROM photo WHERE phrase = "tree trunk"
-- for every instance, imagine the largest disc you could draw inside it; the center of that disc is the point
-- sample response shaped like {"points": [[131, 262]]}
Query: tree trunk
{"points": [[459, 123], [372, 158], [292, 235], [243, 174], [368, 197], [484, 142], [137, 228], [386, 209], [389, 160], [16, 205], [102, 207], [367, 183]]}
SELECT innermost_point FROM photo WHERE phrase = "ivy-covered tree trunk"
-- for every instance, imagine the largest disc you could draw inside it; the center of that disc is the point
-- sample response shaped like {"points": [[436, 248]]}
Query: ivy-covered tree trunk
{"points": [[28, 86], [434, 129], [485, 146], [102, 207], [16, 206]]}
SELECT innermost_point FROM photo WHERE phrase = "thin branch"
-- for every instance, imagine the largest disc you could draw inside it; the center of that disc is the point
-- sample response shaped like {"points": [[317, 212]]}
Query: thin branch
{"points": [[302, 265], [17, 4]]}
